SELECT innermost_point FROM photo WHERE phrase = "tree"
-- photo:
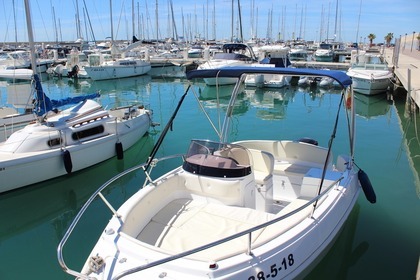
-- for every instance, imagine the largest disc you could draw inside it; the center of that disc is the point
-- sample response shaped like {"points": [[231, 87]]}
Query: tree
{"points": [[418, 42], [371, 37], [388, 38]]}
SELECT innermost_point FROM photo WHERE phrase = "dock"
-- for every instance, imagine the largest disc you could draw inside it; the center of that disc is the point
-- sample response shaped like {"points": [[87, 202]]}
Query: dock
{"points": [[405, 61], [321, 65]]}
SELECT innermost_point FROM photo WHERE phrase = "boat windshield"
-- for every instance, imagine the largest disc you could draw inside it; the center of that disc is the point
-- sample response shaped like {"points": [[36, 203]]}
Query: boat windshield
{"points": [[217, 159]]}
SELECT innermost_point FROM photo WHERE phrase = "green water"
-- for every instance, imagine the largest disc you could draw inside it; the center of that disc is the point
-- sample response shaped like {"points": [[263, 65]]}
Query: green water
{"points": [[379, 241]]}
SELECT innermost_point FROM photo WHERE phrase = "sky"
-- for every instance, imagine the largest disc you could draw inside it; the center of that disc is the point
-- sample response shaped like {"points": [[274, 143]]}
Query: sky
{"points": [[315, 20]]}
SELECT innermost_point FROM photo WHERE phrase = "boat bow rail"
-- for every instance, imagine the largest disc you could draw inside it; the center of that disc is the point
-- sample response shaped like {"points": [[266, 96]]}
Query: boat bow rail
{"points": [[248, 232], [97, 193]]}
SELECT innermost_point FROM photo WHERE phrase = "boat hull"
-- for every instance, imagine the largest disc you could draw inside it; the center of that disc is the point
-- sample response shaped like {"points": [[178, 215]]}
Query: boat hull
{"points": [[324, 58], [97, 73], [288, 256], [44, 165], [370, 86]]}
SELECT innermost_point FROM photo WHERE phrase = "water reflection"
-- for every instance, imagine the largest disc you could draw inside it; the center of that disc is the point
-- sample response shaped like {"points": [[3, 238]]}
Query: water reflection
{"points": [[343, 254], [58, 200], [271, 104], [213, 97], [371, 106]]}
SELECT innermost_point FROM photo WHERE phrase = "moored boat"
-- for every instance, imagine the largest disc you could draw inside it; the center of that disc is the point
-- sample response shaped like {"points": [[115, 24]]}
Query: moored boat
{"points": [[64, 141], [370, 73], [233, 54], [324, 53], [115, 69], [248, 209]]}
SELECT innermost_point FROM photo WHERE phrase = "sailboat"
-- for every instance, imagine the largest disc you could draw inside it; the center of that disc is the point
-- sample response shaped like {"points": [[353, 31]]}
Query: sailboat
{"points": [[64, 141], [248, 209]]}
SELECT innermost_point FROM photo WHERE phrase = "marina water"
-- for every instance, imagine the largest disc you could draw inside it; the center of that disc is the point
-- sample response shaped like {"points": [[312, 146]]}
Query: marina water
{"points": [[379, 241]]}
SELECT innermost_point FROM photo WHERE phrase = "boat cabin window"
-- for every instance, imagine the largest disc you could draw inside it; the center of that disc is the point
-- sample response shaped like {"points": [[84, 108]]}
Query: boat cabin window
{"points": [[128, 63], [217, 159], [54, 142], [88, 132]]}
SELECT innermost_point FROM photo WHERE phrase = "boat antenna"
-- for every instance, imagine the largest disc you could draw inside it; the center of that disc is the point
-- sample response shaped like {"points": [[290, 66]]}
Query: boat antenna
{"points": [[165, 130]]}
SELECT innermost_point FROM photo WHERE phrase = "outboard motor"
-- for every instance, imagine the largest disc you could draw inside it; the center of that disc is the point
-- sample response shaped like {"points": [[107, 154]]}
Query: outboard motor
{"points": [[73, 72]]}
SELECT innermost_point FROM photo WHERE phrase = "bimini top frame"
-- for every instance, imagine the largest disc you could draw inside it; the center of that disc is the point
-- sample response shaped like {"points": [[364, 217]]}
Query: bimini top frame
{"points": [[236, 72]]}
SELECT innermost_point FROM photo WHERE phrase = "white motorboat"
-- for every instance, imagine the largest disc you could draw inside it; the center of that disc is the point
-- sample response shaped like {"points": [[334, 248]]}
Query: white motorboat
{"points": [[21, 59], [16, 74], [195, 51], [251, 209], [324, 53], [298, 52], [62, 142], [271, 56], [233, 54], [370, 73]]}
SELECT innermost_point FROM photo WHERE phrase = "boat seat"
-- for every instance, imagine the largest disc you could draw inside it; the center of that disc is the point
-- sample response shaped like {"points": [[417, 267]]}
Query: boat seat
{"points": [[185, 224], [226, 191], [262, 166], [292, 158], [312, 179]]}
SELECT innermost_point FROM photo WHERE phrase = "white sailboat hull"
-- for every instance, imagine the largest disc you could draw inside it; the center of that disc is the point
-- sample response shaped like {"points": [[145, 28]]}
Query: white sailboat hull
{"points": [[18, 169], [17, 74], [106, 72]]}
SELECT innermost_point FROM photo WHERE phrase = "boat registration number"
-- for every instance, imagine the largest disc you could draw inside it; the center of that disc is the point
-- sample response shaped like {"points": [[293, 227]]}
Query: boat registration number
{"points": [[275, 269]]}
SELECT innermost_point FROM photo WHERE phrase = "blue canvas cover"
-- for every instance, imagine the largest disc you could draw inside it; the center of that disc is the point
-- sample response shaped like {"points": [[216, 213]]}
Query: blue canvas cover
{"points": [[238, 71]]}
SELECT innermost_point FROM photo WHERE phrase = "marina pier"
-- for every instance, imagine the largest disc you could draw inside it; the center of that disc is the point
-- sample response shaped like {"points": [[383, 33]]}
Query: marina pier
{"points": [[405, 60]]}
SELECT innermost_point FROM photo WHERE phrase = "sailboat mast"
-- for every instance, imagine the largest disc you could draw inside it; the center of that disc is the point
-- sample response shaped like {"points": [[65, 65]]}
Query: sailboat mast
{"points": [[133, 18], [157, 21], [336, 15], [112, 28], [30, 35], [240, 22], [231, 25]]}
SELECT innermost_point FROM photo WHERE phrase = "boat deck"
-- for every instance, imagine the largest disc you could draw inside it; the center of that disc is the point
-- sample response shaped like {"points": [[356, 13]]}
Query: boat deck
{"points": [[185, 224]]}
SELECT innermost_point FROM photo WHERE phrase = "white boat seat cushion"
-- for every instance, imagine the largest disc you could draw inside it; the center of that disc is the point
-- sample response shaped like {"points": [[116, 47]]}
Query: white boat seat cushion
{"points": [[185, 224]]}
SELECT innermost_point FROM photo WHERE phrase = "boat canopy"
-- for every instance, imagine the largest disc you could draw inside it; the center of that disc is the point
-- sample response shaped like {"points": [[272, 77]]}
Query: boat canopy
{"points": [[237, 72]]}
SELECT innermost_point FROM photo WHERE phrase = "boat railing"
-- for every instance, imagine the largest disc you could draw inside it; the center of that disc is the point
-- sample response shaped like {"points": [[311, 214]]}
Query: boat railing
{"points": [[97, 193], [229, 238], [248, 232]]}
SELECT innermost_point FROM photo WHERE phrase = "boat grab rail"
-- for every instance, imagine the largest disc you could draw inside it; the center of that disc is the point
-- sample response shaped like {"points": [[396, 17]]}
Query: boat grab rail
{"points": [[229, 238], [85, 206], [98, 192]]}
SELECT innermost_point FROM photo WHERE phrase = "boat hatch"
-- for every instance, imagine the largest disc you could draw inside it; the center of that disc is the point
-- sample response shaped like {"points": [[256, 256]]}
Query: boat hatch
{"points": [[217, 159]]}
